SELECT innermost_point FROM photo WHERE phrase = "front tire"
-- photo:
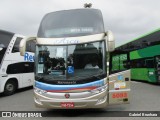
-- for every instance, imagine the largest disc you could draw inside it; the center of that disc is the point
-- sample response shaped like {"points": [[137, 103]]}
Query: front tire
{"points": [[10, 88]]}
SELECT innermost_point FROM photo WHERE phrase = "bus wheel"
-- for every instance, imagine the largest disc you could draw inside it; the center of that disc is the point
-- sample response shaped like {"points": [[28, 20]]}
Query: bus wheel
{"points": [[10, 87]]}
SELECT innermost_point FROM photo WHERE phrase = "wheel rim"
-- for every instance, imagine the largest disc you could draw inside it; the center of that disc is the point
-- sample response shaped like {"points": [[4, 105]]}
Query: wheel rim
{"points": [[10, 87]]}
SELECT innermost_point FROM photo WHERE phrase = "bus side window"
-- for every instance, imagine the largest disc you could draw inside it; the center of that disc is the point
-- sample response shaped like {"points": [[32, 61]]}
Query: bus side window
{"points": [[22, 67], [29, 67], [15, 68], [16, 45], [149, 63]]}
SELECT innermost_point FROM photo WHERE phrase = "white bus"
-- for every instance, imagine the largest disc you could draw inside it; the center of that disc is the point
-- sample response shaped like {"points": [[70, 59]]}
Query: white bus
{"points": [[70, 62], [16, 71]]}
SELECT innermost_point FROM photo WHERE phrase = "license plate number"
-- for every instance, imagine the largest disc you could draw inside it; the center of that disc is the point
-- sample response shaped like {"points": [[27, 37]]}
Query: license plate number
{"points": [[67, 104]]}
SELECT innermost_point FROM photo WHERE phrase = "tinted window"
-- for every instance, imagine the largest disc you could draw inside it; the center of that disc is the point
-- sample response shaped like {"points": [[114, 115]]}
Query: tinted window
{"points": [[150, 63], [23, 67], [70, 23], [142, 63], [139, 63], [5, 38], [16, 45]]}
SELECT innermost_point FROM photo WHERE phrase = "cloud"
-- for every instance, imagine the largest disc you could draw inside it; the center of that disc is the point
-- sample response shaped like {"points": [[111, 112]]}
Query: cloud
{"points": [[128, 19]]}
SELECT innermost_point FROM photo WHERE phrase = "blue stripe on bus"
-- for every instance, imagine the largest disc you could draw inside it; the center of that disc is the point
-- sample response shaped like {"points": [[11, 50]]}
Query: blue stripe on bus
{"points": [[45, 86]]}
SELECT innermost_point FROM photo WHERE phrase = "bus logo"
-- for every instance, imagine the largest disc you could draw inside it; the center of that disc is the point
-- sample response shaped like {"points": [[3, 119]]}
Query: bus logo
{"points": [[67, 95], [66, 41]]}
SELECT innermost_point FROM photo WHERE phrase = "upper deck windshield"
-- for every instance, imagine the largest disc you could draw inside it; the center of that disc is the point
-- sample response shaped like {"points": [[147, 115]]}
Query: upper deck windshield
{"points": [[71, 62], [71, 23], [5, 38]]}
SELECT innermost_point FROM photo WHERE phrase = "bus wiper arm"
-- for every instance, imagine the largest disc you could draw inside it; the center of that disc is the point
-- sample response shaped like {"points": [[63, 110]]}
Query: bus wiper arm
{"points": [[38, 78]]}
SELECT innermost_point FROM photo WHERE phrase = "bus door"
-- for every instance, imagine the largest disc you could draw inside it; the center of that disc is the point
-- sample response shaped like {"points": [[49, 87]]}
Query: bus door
{"points": [[149, 72], [119, 80], [119, 87], [157, 60]]}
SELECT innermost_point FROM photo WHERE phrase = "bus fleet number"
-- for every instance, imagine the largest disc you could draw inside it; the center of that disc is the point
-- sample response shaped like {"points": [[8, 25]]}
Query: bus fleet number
{"points": [[120, 95]]}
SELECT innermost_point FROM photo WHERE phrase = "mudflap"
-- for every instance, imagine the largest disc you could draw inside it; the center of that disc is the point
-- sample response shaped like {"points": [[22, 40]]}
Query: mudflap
{"points": [[119, 88]]}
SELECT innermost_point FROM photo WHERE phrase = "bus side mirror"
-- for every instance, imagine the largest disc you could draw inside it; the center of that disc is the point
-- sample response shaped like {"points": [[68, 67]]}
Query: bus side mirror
{"points": [[22, 45], [110, 41]]}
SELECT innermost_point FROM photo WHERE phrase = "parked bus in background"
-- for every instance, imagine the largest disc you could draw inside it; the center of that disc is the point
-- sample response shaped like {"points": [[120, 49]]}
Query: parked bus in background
{"points": [[70, 61], [16, 71], [142, 55]]}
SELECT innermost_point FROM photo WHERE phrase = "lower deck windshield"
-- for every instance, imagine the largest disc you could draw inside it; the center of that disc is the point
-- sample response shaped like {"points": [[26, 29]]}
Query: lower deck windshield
{"points": [[70, 62]]}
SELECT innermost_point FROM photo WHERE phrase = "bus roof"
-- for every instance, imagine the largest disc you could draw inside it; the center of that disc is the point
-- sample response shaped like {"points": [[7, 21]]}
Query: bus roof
{"points": [[87, 9], [71, 23], [142, 36]]}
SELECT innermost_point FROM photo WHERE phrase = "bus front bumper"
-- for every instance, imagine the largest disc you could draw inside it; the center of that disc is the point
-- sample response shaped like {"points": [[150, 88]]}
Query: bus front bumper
{"points": [[95, 101]]}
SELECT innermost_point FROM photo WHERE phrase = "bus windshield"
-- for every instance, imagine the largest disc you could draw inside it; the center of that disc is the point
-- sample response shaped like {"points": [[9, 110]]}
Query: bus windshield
{"points": [[63, 24], [70, 62], [5, 38]]}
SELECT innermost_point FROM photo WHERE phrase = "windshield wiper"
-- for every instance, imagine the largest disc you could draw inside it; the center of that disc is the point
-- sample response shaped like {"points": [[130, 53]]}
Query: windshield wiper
{"points": [[90, 75], [37, 77]]}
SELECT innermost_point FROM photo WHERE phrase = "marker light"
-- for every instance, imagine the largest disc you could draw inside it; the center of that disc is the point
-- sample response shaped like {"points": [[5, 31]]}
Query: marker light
{"points": [[40, 91]]}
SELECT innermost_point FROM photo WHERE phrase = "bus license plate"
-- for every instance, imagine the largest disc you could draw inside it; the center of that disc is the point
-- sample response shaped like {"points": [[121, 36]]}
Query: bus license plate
{"points": [[67, 104]]}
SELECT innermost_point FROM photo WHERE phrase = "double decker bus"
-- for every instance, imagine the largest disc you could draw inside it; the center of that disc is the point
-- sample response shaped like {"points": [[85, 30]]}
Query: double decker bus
{"points": [[70, 61], [142, 55], [16, 71]]}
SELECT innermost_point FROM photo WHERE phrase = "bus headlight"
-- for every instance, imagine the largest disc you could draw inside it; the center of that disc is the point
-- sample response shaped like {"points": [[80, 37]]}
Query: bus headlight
{"points": [[40, 91], [99, 89]]}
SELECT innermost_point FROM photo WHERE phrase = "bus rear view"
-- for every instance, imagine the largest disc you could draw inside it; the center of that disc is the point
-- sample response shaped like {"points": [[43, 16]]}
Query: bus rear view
{"points": [[70, 57]]}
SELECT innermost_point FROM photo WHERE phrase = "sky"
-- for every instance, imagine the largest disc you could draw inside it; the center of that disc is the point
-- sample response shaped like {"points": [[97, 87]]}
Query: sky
{"points": [[127, 19]]}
